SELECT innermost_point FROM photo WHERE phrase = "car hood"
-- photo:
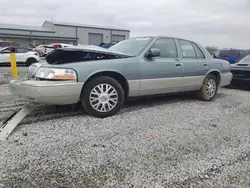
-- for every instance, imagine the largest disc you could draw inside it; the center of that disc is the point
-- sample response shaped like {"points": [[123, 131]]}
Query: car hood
{"points": [[82, 53]]}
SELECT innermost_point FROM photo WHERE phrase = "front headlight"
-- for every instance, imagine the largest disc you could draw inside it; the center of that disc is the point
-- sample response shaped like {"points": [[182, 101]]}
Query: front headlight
{"points": [[56, 74]]}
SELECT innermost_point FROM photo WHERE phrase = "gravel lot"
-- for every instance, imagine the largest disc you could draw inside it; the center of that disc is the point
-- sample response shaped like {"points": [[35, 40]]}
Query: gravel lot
{"points": [[174, 141]]}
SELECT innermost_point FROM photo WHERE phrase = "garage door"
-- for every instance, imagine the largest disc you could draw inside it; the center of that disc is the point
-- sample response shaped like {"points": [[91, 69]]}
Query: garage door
{"points": [[118, 38], [95, 38]]}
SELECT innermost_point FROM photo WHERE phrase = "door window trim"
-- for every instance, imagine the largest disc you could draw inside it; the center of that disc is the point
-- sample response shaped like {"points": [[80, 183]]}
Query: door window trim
{"points": [[182, 50], [193, 44]]}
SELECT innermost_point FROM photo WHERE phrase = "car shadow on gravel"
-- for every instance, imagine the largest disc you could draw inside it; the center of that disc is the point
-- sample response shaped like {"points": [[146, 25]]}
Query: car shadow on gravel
{"points": [[49, 112]]}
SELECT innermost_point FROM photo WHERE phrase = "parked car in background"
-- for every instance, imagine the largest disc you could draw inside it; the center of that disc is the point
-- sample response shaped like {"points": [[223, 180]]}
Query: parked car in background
{"points": [[60, 45], [241, 71], [45, 49], [23, 55], [232, 56], [7, 43], [102, 79]]}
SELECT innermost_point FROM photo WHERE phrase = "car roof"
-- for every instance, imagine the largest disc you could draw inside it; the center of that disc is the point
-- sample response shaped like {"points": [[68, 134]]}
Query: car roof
{"points": [[165, 36]]}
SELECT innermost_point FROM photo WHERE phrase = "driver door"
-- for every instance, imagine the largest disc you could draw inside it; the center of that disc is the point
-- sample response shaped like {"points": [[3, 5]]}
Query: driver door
{"points": [[162, 74]]}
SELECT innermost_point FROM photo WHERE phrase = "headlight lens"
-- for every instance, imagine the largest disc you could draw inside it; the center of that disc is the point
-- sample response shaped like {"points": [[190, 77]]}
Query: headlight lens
{"points": [[56, 74]]}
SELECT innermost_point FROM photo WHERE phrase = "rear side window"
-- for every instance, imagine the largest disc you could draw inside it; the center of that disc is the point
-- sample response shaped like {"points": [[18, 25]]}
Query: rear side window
{"points": [[21, 50], [167, 46], [187, 49], [198, 51]]}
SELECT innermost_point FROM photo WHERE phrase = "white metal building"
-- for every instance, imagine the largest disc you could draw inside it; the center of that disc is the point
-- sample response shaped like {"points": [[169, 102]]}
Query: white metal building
{"points": [[51, 32]]}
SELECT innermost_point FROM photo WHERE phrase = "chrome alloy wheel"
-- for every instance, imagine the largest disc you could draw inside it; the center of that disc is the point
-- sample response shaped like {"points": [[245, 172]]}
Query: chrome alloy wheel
{"points": [[103, 97], [211, 88]]}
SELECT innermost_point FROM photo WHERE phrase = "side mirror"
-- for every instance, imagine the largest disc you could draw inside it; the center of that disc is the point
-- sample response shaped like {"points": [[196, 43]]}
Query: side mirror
{"points": [[153, 52]]}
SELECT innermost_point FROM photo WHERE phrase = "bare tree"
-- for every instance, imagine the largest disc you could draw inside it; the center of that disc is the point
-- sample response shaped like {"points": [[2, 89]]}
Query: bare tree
{"points": [[212, 49]]}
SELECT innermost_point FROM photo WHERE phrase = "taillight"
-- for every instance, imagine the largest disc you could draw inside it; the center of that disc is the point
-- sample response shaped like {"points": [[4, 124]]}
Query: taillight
{"points": [[45, 50]]}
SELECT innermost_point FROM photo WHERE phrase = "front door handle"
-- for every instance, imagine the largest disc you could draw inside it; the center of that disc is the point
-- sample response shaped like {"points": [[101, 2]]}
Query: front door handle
{"points": [[205, 64], [178, 64]]}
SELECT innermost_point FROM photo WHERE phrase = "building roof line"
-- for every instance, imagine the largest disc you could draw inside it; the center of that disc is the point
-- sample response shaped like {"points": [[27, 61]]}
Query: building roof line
{"points": [[87, 26], [30, 30], [38, 36]]}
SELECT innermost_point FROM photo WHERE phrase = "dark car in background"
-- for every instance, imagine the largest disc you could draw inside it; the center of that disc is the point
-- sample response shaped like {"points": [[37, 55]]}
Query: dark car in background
{"points": [[232, 56], [241, 71]]}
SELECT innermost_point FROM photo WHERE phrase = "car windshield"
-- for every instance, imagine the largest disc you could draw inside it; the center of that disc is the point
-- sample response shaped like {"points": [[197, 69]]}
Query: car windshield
{"points": [[131, 46], [229, 53], [245, 60]]}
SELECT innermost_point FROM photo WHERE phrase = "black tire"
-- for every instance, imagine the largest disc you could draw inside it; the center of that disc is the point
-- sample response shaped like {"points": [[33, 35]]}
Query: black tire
{"points": [[202, 94], [30, 61], [85, 96]]}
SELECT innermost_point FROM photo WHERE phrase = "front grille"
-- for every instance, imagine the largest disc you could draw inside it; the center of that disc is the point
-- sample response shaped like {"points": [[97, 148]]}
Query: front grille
{"points": [[32, 70], [241, 73]]}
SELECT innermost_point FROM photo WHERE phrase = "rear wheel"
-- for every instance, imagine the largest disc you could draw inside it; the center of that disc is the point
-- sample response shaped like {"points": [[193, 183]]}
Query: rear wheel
{"points": [[30, 61], [209, 88], [102, 97]]}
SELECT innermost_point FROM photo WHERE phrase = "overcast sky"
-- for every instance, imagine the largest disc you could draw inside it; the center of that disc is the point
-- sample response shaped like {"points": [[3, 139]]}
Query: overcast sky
{"points": [[222, 23]]}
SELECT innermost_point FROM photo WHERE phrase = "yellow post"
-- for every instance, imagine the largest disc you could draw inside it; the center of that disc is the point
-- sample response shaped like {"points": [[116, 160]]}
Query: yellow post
{"points": [[13, 65]]}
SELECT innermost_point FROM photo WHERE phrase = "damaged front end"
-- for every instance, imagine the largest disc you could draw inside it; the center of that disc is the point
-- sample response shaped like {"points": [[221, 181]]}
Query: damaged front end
{"points": [[82, 53], [75, 54]]}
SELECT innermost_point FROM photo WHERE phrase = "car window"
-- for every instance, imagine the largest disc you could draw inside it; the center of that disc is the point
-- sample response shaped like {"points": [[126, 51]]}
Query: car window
{"points": [[167, 46], [187, 49], [229, 53], [7, 50], [21, 50], [198, 51]]}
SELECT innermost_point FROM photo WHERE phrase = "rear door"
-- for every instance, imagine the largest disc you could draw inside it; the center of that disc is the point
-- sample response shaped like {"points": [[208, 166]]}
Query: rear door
{"points": [[195, 64]]}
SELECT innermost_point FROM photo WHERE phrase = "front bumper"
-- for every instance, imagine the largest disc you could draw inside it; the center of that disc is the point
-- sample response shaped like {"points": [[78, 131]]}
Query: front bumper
{"points": [[48, 92], [226, 79]]}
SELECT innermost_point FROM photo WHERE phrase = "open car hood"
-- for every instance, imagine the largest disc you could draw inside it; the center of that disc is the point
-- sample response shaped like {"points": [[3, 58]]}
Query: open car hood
{"points": [[82, 53]]}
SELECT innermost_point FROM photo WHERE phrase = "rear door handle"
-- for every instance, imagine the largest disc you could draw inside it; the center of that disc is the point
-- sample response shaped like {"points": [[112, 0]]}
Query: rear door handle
{"points": [[178, 64], [205, 64]]}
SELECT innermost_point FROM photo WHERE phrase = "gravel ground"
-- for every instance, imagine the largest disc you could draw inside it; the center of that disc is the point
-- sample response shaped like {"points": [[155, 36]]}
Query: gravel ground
{"points": [[174, 141]]}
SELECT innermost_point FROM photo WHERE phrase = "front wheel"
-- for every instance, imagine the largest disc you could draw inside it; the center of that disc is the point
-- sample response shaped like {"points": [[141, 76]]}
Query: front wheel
{"points": [[209, 88], [102, 97]]}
